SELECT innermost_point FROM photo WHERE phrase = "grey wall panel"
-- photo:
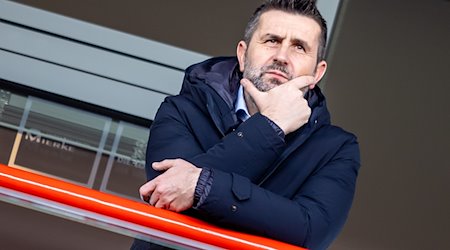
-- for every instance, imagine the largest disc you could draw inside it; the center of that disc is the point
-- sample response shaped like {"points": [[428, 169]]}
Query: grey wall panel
{"points": [[97, 35], [90, 59], [87, 62], [86, 87]]}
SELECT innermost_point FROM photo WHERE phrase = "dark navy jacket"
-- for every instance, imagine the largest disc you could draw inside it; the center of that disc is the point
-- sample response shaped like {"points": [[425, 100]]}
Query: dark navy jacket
{"points": [[298, 190]]}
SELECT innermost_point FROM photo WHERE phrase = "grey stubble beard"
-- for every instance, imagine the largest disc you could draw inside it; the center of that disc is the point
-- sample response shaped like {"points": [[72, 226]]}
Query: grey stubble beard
{"points": [[255, 75]]}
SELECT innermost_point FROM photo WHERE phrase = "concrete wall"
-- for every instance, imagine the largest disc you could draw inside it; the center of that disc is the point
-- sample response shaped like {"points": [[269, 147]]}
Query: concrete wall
{"points": [[389, 83]]}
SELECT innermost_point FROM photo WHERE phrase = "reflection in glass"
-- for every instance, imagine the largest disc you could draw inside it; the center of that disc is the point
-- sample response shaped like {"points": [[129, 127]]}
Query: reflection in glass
{"points": [[11, 110], [125, 171], [61, 141]]}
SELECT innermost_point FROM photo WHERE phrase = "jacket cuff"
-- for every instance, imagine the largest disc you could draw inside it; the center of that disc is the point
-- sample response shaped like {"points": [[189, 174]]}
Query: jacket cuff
{"points": [[203, 187], [275, 127]]}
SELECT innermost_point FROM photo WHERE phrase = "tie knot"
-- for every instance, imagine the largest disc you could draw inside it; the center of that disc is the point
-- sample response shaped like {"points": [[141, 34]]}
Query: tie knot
{"points": [[241, 115]]}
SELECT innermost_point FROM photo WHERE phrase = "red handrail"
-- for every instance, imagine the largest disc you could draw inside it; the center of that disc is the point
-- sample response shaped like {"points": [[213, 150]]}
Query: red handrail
{"points": [[131, 211]]}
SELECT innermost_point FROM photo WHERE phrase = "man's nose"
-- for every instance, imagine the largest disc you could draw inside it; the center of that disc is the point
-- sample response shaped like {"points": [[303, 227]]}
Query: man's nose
{"points": [[281, 54]]}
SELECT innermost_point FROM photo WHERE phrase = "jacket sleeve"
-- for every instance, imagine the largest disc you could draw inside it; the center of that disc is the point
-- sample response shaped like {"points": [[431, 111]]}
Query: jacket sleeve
{"points": [[311, 219], [254, 144]]}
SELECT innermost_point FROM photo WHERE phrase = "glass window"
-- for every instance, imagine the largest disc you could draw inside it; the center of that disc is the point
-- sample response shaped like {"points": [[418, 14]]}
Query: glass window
{"points": [[125, 171], [72, 144]]}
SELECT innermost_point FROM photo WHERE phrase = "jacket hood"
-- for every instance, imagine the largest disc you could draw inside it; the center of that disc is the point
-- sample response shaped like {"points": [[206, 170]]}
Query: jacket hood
{"points": [[220, 73]]}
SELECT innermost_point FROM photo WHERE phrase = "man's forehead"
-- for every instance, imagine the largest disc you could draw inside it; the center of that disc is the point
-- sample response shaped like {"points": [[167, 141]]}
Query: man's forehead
{"points": [[284, 23]]}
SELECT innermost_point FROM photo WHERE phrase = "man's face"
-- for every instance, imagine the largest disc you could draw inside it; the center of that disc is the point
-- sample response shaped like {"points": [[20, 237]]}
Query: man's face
{"points": [[284, 46]]}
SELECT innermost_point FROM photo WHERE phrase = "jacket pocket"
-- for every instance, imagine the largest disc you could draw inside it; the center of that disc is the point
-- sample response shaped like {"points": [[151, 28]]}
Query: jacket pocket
{"points": [[241, 187]]}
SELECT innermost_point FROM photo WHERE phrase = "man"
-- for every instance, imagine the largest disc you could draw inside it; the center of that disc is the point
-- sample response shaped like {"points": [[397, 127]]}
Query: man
{"points": [[247, 144]]}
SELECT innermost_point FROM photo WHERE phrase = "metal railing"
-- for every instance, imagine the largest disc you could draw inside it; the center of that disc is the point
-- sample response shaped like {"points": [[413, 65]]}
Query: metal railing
{"points": [[121, 215]]}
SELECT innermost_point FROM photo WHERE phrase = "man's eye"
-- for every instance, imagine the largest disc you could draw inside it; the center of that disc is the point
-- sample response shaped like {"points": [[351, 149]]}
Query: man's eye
{"points": [[300, 48], [272, 41]]}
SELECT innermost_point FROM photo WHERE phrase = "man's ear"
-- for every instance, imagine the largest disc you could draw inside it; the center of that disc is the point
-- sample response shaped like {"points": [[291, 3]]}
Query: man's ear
{"points": [[240, 52], [320, 71]]}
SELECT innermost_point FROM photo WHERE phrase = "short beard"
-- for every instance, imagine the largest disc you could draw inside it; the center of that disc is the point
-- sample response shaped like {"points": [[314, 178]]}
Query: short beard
{"points": [[255, 75]]}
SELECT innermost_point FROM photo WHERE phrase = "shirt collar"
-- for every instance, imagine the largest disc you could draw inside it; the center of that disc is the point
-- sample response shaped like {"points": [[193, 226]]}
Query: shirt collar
{"points": [[240, 106]]}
